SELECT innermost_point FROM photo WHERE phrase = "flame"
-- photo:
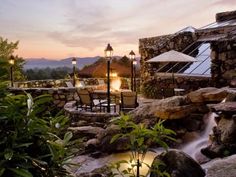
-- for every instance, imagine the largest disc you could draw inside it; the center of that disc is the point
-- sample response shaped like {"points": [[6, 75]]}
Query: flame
{"points": [[115, 84]]}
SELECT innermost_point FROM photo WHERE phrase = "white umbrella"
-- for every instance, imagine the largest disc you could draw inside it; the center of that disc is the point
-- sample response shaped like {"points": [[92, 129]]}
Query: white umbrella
{"points": [[172, 56]]}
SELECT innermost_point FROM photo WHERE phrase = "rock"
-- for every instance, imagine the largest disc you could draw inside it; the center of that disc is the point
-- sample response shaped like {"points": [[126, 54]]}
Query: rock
{"points": [[225, 167], [231, 97], [227, 129], [121, 144], [197, 96], [215, 96], [229, 107], [170, 108], [110, 130], [178, 164], [89, 131], [174, 112], [92, 144], [104, 171]]}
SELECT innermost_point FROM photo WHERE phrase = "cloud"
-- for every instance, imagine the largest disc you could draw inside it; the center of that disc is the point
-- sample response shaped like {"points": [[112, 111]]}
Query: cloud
{"points": [[225, 2]]}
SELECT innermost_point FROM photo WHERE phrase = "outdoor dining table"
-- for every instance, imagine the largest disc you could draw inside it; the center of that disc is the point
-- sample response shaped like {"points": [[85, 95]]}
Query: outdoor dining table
{"points": [[115, 95]]}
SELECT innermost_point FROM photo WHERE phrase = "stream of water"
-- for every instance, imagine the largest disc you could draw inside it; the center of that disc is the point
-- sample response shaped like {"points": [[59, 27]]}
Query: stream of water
{"points": [[192, 148]]}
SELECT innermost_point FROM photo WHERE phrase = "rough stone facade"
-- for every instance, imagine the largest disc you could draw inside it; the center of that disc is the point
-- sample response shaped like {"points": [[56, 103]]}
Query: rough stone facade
{"points": [[60, 95], [223, 57], [223, 54], [151, 47]]}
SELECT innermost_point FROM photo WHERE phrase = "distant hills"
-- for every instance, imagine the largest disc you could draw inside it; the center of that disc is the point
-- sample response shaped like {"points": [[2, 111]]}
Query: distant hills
{"points": [[31, 63], [44, 63]]}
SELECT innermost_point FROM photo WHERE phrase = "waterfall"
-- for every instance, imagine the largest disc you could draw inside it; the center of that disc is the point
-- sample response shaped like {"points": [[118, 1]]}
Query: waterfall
{"points": [[194, 147]]}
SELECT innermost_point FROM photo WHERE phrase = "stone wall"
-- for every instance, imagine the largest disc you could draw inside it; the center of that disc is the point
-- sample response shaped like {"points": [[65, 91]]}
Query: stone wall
{"points": [[225, 16], [223, 57], [151, 47], [60, 95], [188, 83], [90, 82], [223, 54]]}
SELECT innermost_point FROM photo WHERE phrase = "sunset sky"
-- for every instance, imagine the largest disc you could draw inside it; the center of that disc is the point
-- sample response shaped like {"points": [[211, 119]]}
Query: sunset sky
{"points": [[57, 29]]}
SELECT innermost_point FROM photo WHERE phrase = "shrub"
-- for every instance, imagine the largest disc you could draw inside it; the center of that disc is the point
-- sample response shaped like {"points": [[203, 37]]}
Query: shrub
{"points": [[33, 141]]}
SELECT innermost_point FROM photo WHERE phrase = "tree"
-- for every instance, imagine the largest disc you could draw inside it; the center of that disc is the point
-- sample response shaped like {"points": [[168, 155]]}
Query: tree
{"points": [[6, 50]]}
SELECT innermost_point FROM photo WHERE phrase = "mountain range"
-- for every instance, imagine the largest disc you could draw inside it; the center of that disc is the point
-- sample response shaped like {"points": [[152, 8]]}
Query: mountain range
{"points": [[31, 63]]}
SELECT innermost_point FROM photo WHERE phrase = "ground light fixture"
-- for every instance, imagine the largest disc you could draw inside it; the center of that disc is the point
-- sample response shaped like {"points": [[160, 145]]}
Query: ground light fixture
{"points": [[12, 63], [74, 62], [108, 55], [132, 57]]}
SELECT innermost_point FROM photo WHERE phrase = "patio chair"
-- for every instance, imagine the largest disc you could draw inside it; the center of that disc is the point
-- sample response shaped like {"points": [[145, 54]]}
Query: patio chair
{"points": [[168, 92], [128, 101], [86, 100], [69, 84]]}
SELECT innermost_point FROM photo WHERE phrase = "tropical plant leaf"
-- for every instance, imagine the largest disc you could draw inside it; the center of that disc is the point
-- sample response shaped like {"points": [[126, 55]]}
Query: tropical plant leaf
{"points": [[21, 172]]}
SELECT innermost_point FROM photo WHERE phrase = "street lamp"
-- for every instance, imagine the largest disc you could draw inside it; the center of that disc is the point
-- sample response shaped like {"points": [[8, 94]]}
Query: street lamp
{"points": [[134, 65], [132, 57], [108, 55], [11, 62], [74, 64]]}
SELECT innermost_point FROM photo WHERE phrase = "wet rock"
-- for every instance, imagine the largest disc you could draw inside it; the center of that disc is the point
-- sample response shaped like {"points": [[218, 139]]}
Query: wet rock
{"points": [[229, 107], [227, 127], [178, 164], [121, 144], [221, 167], [100, 172]]}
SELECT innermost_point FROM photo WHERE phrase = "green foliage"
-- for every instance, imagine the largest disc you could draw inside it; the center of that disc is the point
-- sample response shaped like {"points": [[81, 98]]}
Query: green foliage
{"points": [[6, 50], [150, 89], [47, 73], [33, 141], [140, 139]]}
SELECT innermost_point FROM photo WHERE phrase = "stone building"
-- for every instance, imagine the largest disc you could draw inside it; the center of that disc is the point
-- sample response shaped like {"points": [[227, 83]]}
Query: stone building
{"points": [[214, 47]]}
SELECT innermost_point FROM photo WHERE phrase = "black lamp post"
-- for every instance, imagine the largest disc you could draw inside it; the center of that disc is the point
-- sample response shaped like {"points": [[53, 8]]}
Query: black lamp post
{"points": [[132, 57], [134, 65], [12, 62], [108, 54], [74, 64]]}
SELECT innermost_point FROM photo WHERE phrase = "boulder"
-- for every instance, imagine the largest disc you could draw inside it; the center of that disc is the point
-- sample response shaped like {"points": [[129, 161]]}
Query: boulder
{"points": [[170, 108], [229, 107], [174, 112], [104, 171], [177, 164], [197, 96], [227, 127], [88, 131], [221, 167], [215, 96], [121, 144]]}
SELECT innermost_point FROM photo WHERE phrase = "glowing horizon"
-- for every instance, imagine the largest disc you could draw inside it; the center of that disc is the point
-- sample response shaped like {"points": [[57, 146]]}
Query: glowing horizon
{"points": [[58, 29]]}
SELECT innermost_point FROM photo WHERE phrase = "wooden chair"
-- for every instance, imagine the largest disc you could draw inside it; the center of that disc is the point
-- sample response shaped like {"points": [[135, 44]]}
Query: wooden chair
{"points": [[86, 100], [168, 92], [69, 84], [128, 101]]}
